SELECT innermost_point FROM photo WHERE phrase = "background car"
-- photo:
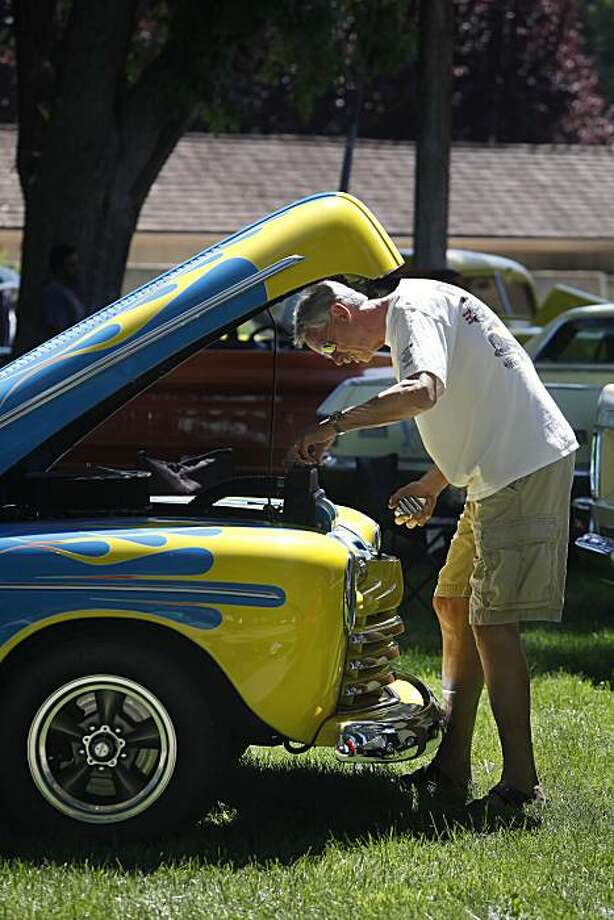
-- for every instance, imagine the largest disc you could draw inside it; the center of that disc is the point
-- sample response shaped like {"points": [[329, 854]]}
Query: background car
{"points": [[574, 356], [508, 288], [598, 542]]}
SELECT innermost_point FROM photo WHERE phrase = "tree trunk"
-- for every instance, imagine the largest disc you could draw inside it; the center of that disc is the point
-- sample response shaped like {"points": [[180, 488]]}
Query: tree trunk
{"points": [[98, 216], [101, 232], [436, 19], [87, 164], [350, 138]]}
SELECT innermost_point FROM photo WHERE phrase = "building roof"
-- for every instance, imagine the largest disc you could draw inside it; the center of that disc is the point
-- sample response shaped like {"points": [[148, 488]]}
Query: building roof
{"points": [[216, 184]]}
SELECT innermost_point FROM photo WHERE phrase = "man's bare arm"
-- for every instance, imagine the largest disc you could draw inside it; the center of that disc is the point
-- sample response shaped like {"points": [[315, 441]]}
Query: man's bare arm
{"points": [[434, 479], [405, 399]]}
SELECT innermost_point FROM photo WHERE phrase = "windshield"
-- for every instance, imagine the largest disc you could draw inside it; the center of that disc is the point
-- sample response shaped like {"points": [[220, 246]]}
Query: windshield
{"points": [[509, 298], [581, 341]]}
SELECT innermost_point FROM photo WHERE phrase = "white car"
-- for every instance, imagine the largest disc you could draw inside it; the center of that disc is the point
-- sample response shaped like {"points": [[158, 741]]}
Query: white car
{"points": [[574, 356], [599, 540]]}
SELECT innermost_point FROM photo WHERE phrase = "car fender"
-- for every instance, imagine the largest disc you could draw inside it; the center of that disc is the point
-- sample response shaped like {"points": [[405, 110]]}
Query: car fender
{"points": [[265, 603]]}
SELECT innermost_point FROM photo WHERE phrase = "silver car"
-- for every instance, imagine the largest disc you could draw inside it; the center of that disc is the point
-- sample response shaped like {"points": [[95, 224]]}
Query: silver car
{"points": [[574, 356]]}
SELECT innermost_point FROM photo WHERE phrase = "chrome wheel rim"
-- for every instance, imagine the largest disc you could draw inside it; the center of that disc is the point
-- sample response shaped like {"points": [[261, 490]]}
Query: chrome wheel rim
{"points": [[102, 749]]}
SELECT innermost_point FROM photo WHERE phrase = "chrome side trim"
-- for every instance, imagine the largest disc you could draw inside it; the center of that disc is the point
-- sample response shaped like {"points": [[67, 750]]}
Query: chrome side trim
{"points": [[572, 386], [170, 588], [595, 465], [130, 348]]}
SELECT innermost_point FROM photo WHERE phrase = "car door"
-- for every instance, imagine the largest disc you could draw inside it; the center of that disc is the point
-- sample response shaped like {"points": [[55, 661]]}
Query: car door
{"points": [[575, 363]]}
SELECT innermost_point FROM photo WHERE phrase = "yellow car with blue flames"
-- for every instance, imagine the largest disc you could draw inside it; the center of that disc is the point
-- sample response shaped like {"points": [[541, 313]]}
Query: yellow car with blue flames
{"points": [[147, 638]]}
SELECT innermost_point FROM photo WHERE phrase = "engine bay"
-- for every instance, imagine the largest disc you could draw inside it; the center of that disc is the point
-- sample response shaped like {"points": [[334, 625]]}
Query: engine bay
{"points": [[291, 500]]}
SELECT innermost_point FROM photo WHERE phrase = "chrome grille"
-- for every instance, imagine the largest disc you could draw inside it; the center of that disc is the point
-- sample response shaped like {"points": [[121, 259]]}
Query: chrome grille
{"points": [[372, 648]]}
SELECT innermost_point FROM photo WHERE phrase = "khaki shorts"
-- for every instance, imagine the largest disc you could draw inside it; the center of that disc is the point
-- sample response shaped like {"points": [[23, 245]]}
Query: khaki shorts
{"points": [[509, 552]]}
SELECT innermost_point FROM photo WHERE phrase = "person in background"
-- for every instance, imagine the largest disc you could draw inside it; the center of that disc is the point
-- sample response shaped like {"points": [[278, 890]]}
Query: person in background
{"points": [[491, 427], [61, 307]]}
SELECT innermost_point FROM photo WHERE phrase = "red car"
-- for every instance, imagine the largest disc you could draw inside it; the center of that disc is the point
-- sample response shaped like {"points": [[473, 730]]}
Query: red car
{"points": [[224, 401]]}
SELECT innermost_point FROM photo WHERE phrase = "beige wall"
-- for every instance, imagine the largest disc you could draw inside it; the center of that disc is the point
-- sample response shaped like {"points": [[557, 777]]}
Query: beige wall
{"points": [[168, 248], [10, 247], [559, 254], [578, 262], [586, 264]]}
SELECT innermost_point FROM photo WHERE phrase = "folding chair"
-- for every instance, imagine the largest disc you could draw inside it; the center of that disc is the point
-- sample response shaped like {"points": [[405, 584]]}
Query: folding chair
{"points": [[429, 555]]}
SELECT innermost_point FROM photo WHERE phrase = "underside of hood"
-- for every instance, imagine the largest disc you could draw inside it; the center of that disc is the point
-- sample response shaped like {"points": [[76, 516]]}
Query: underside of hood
{"points": [[55, 394]]}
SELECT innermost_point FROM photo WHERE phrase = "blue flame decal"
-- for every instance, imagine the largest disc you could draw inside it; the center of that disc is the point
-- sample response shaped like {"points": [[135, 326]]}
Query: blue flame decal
{"points": [[101, 336], [39, 561], [129, 571]]}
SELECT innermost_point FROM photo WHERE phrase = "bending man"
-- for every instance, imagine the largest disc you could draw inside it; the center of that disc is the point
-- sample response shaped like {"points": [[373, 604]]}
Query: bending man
{"points": [[491, 427]]}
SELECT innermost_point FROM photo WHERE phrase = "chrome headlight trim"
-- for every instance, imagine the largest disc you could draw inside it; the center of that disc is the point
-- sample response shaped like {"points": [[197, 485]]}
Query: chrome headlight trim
{"points": [[353, 541]]}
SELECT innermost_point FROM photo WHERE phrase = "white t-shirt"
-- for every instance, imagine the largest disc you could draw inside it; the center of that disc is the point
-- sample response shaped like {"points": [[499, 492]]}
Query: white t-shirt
{"points": [[494, 421]]}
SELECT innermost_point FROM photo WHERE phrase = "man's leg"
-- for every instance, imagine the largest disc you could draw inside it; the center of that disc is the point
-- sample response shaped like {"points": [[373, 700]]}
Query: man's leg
{"points": [[521, 554], [507, 680], [462, 680]]}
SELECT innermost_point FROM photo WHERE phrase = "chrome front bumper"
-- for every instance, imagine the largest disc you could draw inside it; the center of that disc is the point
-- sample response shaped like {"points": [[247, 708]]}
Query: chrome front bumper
{"points": [[384, 715], [402, 731]]}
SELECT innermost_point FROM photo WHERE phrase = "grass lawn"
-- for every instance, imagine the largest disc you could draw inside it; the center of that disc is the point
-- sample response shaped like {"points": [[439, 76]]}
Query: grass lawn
{"points": [[305, 837]]}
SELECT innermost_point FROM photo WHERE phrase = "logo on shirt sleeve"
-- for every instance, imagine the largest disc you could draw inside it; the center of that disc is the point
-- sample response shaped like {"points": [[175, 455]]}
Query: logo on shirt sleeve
{"points": [[506, 348], [407, 360], [470, 314]]}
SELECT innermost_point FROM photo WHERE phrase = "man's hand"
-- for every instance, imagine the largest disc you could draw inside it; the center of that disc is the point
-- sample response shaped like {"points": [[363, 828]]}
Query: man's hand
{"points": [[418, 489], [313, 442]]}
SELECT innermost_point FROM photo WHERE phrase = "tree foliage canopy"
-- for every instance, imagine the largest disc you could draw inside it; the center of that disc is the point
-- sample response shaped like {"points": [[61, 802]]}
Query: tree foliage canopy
{"points": [[524, 72], [598, 27], [105, 91]]}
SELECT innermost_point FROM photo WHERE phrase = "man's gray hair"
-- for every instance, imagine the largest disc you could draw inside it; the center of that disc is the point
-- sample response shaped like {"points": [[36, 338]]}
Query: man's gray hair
{"points": [[313, 309]]}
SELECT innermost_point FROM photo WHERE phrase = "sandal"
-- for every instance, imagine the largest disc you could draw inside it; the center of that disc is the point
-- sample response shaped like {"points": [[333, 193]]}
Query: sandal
{"points": [[514, 798], [506, 806]]}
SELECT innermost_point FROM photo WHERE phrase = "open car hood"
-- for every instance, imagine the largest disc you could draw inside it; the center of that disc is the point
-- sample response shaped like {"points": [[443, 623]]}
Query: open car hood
{"points": [[55, 394]]}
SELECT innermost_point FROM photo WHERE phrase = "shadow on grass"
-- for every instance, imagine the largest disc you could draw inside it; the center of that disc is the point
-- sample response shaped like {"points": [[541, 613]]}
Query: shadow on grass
{"points": [[583, 643], [589, 655], [290, 809], [274, 813]]}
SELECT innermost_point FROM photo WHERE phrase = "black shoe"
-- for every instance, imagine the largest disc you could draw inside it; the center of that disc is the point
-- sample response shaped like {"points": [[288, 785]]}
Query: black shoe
{"points": [[434, 788]]}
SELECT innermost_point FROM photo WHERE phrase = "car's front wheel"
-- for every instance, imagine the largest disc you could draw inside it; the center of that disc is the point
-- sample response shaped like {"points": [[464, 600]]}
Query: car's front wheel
{"points": [[110, 737]]}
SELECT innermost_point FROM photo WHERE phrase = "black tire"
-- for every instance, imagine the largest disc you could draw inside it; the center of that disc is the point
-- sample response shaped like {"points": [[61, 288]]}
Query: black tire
{"points": [[63, 772]]}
